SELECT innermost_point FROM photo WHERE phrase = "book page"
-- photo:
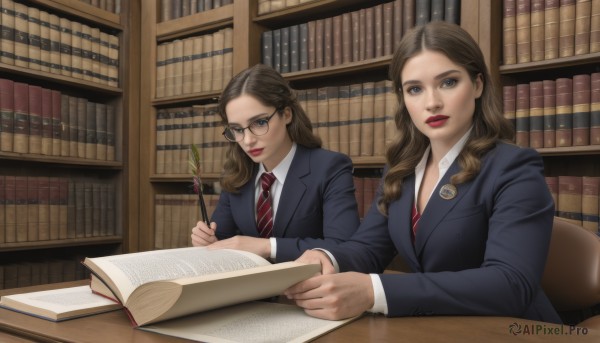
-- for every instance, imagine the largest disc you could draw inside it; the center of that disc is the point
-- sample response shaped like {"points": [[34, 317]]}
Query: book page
{"points": [[129, 271], [248, 322], [59, 303]]}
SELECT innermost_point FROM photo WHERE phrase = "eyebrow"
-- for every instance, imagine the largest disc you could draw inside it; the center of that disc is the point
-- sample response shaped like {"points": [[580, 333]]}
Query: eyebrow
{"points": [[252, 119], [437, 77]]}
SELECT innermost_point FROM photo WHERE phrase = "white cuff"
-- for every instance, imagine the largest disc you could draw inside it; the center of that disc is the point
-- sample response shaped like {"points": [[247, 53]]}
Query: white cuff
{"points": [[380, 302], [331, 258], [273, 241]]}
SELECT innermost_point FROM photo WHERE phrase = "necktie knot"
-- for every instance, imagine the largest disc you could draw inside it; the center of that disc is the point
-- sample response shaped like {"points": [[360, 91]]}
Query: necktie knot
{"points": [[266, 180]]}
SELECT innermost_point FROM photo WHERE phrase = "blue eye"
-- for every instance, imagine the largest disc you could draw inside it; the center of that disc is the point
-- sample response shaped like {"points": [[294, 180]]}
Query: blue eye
{"points": [[413, 90], [238, 130], [449, 82], [260, 122]]}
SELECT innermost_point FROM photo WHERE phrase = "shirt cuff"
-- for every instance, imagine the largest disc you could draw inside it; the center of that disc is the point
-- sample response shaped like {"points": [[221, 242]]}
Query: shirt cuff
{"points": [[380, 302], [273, 242], [331, 258]]}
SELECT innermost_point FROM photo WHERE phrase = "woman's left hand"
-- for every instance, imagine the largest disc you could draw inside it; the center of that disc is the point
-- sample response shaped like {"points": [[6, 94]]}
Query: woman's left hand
{"points": [[259, 246]]}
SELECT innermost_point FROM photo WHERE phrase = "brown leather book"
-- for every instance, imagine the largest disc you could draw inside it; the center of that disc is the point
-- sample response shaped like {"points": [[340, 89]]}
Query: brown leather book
{"points": [[583, 10], [104, 229], [54, 207], [207, 65], [581, 109], [408, 18], [378, 30], [551, 28], [549, 113], [422, 12], [110, 132], [509, 99], [355, 34], [96, 211], [43, 199], [302, 47], [32, 209], [344, 118], [536, 114], [34, 38], [537, 30], [56, 122], [217, 55], [564, 112], [566, 31], [178, 67], [355, 126], [367, 116], [10, 208], [311, 108], [379, 118], [35, 119], [362, 35], [320, 43], [165, 10], [21, 38], [44, 41], [328, 42], [312, 44], [159, 220], [391, 106], [21, 128], [197, 76], [2, 214], [397, 24], [509, 33], [595, 109], [346, 38], [55, 44], [323, 117], [76, 49], [552, 182], [187, 135], [90, 131], [369, 22], [523, 29], [187, 79], [294, 47], [595, 27], [66, 40], [452, 11], [333, 123], [21, 208], [113, 60], [64, 126], [86, 52], [522, 115], [589, 202], [569, 198], [46, 107], [437, 10], [67, 222], [337, 57], [388, 28], [161, 51], [161, 136], [7, 43], [7, 114], [96, 71], [88, 207], [81, 126], [73, 127]]}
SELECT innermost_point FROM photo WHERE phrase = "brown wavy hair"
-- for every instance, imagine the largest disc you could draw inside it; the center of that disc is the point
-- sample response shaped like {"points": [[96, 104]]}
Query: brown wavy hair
{"points": [[266, 85], [489, 124]]}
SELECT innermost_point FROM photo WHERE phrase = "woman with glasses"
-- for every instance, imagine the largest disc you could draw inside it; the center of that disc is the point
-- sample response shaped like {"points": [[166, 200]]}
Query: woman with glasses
{"points": [[282, 193]]}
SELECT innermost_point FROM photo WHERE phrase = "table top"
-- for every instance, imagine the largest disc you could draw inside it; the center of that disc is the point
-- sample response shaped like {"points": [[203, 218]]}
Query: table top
{"points": [[116, 327]]}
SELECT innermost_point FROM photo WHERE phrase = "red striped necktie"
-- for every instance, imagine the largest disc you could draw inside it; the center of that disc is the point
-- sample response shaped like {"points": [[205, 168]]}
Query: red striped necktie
{"points": [[264, 208], [415, 221]]}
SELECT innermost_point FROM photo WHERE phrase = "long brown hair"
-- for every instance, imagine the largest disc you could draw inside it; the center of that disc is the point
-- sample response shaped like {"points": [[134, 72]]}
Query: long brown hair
{"points": [[489, 125], [266, 85]]}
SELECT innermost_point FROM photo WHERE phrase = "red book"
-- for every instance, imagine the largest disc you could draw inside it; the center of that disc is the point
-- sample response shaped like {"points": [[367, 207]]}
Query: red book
{"points": [[589, 202], [509, 103], [32, 209], [549, 113], [21, 208], [536, 114], [35, 119], [54, 204], [43, 199], [7, 109], [569, 198], [522, 114], [595, 109], [56, 120], [509, 33], [581, 109], [21, 131], [564, 112], [10, 214]]}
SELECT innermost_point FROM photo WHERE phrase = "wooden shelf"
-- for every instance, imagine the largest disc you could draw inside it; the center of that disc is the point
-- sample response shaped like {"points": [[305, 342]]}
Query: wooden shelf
{"points": [[60, 79], [83, 10], [570, 150], [342, 69], [587, 59], [199, 22], [178, 178], [368, 161], [186, 98], [59, 160], [290, 15], [60, 243]]}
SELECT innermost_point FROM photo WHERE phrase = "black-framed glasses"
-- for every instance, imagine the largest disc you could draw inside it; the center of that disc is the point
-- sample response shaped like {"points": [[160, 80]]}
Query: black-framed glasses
{"points": [[258, 127]]}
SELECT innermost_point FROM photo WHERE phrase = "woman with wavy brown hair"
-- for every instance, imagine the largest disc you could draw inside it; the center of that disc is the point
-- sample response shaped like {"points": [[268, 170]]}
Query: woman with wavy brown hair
{"points": [[468, 212], [309, 201]]}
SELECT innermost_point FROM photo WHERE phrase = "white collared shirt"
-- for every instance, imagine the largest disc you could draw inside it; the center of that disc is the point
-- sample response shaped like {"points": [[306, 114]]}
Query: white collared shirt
{"points": [[280, 172], [380, 301]]}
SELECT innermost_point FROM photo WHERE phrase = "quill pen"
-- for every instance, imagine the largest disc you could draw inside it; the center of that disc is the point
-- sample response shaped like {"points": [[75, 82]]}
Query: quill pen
{"points": [[195, 168]]}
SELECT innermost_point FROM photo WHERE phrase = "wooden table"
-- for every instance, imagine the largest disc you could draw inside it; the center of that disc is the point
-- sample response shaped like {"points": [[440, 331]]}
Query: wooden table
{"points": [[114, 327]]}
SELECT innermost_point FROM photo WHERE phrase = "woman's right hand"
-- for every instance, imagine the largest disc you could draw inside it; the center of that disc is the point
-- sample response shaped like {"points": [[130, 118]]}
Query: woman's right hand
{"points": [[202, 235]]}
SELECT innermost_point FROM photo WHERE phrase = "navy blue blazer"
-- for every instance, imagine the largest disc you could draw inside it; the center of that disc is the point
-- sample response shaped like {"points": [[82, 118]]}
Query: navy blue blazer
{"points": [[317, 207], [481, 253]]}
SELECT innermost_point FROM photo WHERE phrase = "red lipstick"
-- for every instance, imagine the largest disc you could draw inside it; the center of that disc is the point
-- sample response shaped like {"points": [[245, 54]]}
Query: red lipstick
{"points": [[436, 120]]}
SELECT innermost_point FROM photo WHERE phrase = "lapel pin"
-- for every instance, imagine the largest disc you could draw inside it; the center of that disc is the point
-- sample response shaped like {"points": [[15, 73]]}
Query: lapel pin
{"points": [[448, 191]]}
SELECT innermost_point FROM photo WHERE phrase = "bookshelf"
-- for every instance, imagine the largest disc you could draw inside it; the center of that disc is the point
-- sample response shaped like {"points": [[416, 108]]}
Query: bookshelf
{"points": [[248, 29], [75, 174]]}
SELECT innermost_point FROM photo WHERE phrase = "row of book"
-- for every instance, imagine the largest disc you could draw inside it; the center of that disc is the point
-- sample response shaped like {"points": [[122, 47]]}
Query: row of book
{"points": [[39, 208], [39, 40], [42, 121], [576, 199], [41, 272], [178, 128], [173, 9], [194, 64], [349, 37], [176, 215], [268, 6], [537, 30], [355, 119], [113, 6], [555, 113]]}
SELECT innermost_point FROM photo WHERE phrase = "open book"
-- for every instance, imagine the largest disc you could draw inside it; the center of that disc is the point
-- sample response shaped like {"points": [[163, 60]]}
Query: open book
{"points": [[158, 285], [59, 304]]}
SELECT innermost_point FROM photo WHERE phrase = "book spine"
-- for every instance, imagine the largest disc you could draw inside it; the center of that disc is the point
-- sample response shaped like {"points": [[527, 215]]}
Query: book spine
{"points": [[583, 10], [44, 208], [422, 12], [367, 115], [595, 27], [344, 118], [566, 41], [46, 107], [90, 131], [73, 127], [7, 114], [509, 33], [510, 102], [55, 66], [34, 38], [391, 106], [551, 28], [536, 114], [569, 198], [45, 43], [10, 208], [337, 40], [452, 11], [65, 46], [35, 119], [21, 128], [522, 115], [589, 202], [333, 124], [2, 217], [549, 113], [54, 207], [595, 109], [303, 46], [564, 112], [537, 30], [21, 38], [21, 197], [581, 109], [437, 10], [32, 209], [7, 43], [523, 28]]}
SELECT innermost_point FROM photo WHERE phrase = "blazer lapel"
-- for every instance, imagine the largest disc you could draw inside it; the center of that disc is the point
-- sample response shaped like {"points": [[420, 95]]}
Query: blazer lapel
{"points": [[437, 208], [246, 205], [399, 223], [292, 192]]}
